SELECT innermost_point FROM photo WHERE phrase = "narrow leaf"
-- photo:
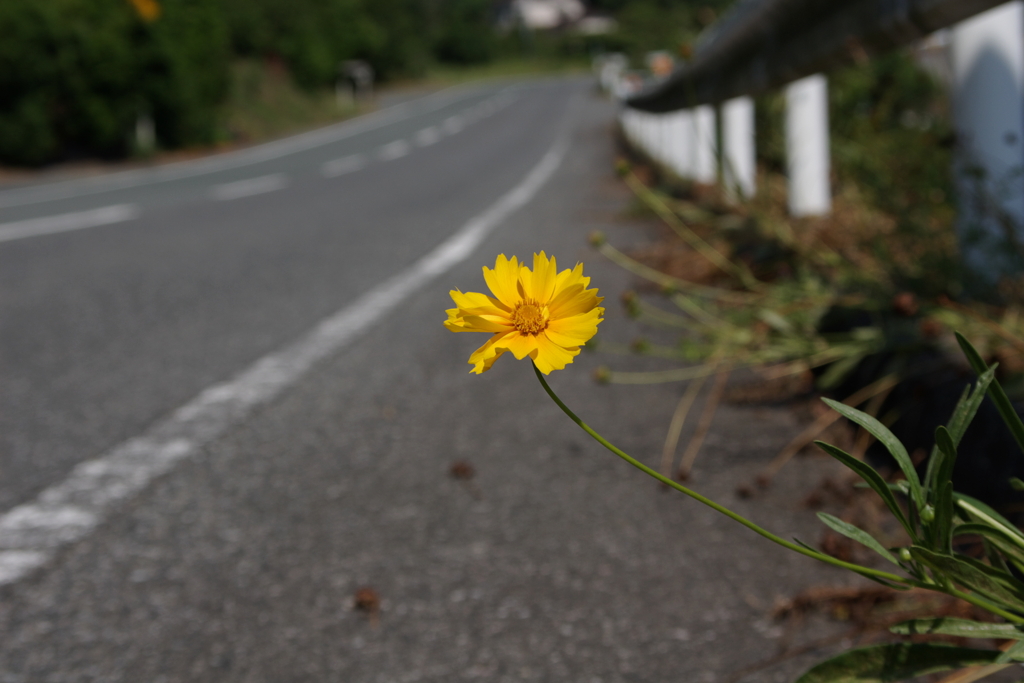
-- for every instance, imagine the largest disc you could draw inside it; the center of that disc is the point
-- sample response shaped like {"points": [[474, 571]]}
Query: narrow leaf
{"points": [[943, 491], [943, 524], [857, 534], [980, 511], [873, 479], [965, 411], [1003, 542], [971, 576], [866, 575], [961, 419], [1015, 653], [887, 439], [962, 628], [944, 440], [995, 391], [895, 662]]}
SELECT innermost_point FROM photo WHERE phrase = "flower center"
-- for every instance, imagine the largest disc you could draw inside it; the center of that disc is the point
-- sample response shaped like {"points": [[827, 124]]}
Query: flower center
{"points": [[529, 318]]}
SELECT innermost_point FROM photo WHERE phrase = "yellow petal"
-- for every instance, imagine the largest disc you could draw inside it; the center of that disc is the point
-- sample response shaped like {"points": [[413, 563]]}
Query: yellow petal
{"points": [[503, 279], [550, 356], [576, 330], [475, 301], [479, 323], [580, 302], [563, 297], [544, 276], [483, 358], [568, 278], [521, 345]]}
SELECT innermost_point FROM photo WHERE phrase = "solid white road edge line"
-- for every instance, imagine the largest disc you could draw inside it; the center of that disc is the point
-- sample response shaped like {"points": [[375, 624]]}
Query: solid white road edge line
{"points": [[31, 534], [66, 222]]}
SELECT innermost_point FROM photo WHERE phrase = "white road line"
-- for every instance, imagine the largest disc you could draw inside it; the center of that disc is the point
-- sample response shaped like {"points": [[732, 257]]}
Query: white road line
{"points": [[249, 187], [393, 150], [427, 136], [272, 150], [31, 534], [66, 222], [453, 124], [337, 167]]}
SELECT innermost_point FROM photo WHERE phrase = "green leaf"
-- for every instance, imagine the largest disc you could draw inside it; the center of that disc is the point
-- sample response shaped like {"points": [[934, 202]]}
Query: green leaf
{"points": [[943, 524], [992, 583], [980, 511], [963, 628], [1010, 546], [887, 439], [944, 440], [873, 479], [1015, 653], [895, 662], [995, 391], [936, 457], [965, 411], [1016, 484], [942, 494], [857, 534], [870, 577]]}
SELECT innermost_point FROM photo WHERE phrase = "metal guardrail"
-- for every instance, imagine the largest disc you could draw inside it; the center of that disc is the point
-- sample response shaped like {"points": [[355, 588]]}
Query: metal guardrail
{"points": [[763, 44]]}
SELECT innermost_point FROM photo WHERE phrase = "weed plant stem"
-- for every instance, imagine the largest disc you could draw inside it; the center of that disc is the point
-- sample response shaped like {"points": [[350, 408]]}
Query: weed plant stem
{"points": [[864, 571]]}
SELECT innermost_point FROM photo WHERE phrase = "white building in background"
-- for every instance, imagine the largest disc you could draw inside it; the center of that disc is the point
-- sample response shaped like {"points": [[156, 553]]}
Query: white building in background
{"points": [[547, 14]]}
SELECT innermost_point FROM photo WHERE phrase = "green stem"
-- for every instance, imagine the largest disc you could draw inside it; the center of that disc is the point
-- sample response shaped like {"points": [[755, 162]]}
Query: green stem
{"points": [[984, 604], [710, 503]]}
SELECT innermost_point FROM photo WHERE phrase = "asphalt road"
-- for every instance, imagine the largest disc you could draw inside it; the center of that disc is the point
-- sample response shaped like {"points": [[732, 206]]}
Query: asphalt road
{"points": [[238, 559]]}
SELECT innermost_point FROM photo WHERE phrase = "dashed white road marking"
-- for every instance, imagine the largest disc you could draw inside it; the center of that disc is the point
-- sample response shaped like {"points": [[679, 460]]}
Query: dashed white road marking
{"points": [[229, 160], [427, 136], [394, 150], [31, 534], [249, 187], [453, 124], [337, 167], [66, 222]]}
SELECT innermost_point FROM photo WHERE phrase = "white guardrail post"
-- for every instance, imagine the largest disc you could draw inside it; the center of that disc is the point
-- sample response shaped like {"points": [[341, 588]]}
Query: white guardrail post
{"points": [[679, 139], [807, 147], [739, 155], [988, 114], [705, 161]]}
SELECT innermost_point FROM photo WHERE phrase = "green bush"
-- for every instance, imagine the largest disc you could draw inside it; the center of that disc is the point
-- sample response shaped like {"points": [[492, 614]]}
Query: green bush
{"points": [[76, 74], [466, 36]]}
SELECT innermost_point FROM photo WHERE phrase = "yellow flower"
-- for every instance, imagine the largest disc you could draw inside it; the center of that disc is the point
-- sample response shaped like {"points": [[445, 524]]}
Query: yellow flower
{"points": [[149, 10], [539, 313]]}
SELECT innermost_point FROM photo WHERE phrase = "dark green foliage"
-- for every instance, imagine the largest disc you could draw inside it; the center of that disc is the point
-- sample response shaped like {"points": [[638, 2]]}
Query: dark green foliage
{"points": [[311, 37], [76, 74], [892, 138], [465, 32], [895, 662], [646, 25], [185, 70]]}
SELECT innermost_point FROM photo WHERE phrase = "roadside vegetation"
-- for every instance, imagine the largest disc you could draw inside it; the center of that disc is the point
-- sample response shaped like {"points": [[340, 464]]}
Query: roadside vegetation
{"points": [[80, 79], [860, 305], [870, 308]]}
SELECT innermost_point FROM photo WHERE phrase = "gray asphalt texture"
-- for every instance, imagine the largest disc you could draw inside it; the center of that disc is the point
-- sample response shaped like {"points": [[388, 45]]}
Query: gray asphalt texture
{"points": [[557, 562]]}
